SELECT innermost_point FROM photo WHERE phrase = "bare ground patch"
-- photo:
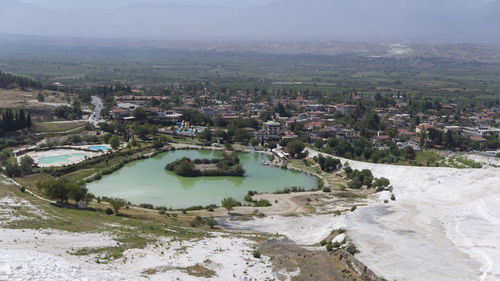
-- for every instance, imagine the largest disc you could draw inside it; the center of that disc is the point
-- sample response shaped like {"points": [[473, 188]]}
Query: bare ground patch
{"points": [[197, 270], [315, 265]]}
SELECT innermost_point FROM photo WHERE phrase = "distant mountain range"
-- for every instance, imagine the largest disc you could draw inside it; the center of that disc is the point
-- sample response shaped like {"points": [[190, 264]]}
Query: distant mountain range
{"points": [[368, 20]]}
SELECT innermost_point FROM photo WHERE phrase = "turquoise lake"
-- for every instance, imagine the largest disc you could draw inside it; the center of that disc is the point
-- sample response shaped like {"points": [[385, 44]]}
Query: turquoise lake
{"points": [[146, 181]]}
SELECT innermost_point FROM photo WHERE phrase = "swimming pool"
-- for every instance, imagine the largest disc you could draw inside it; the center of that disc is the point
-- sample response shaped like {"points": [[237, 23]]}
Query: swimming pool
{"points": [[98, 147], [188, 131], [56, 159]]}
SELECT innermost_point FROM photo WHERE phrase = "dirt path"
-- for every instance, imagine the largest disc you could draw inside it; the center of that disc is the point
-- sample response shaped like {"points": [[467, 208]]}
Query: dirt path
{"points": [[282, 204]]}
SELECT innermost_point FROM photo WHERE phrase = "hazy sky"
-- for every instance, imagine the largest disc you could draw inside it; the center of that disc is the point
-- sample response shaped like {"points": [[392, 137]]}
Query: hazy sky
{"points": [[266, 20], [66, 5]]}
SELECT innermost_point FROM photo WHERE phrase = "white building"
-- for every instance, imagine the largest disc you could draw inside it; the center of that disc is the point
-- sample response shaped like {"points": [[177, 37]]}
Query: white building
{"points": [[272, 129]]}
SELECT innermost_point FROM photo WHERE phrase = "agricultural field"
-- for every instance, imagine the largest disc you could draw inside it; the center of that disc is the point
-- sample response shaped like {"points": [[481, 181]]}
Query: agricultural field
{"points": [[334, 74]]}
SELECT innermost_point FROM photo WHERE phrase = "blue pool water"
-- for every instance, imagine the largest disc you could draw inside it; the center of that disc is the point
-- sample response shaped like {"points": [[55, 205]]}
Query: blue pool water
{"points": [[59, 158], [98, 147]]}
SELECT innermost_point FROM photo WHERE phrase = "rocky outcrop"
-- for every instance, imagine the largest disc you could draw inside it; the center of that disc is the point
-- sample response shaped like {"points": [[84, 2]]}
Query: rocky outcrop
{"points": [[347, 256]]}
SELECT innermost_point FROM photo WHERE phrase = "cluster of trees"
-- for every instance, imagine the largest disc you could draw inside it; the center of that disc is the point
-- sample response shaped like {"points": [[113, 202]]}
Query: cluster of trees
{"points": [[229, 165], [452, 140], [328, 163], [234, 130], [114, 141], [231, 135], [14, 120], [24, 167], [358, 178], [127, 130], [381, 183], [364, 178], [68, 112], [13, 81], [196, 118], [295, 148], [62, 190], [363, 150]]}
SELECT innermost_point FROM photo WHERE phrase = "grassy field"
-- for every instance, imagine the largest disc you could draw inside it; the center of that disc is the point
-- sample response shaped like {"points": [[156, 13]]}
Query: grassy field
{"points": [[132, 229], [334, 75], [425, 158], [58, 127], [28, 99]]}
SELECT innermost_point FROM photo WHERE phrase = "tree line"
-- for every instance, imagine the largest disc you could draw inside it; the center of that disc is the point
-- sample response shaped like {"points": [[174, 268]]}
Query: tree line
{"points": [[13, 120], [13, 81]]}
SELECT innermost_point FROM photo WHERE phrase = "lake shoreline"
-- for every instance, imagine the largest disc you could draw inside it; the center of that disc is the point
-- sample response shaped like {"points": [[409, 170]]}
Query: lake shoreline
{"points": [[123, 182]]}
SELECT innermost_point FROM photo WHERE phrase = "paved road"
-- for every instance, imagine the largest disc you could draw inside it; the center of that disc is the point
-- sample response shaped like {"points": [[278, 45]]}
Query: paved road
{"points": [[95, 118]]}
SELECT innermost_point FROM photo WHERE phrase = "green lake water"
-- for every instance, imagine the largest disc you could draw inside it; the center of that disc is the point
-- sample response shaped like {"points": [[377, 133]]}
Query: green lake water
{"points": [[146, 181]]}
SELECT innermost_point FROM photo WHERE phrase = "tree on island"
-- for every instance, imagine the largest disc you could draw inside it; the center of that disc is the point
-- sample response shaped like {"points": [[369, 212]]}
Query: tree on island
{"points": [[186, 168], [229, 165], [229, 203], [117, 204]]}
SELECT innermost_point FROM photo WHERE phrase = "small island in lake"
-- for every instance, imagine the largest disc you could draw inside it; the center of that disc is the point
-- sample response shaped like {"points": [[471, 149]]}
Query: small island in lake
{"points": [[229, 165]]}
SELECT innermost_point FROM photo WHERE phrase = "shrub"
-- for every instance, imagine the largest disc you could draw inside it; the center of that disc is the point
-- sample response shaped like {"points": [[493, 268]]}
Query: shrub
{"points": [[256, 254], [114, 141], [393, 198], [262, 203], [321, 184], [381, 183], [196, 222], [354, 184], [211, 222], [327, 164], [229, 203], [109, 211], [146, 206], [326, 189], [323, 242], [199, 221], [117, 204], [23, 189], [13, 170], [27, 164]]}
